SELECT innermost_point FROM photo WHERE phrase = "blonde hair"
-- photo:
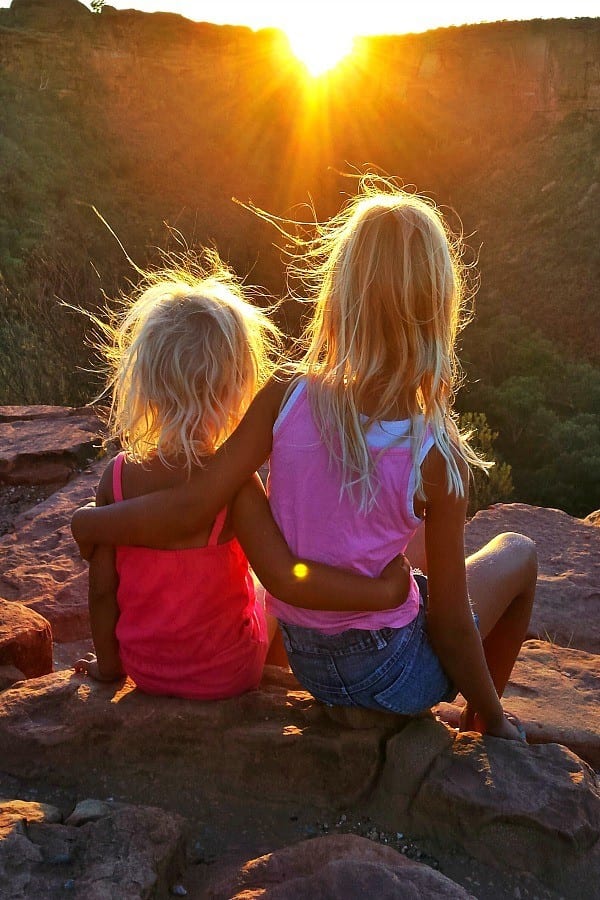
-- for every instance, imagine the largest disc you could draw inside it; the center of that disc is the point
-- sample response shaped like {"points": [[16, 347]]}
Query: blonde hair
{"points": [[389, 286], [186, 356]]}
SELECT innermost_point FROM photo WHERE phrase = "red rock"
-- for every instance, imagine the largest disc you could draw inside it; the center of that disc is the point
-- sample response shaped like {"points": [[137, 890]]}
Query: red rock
{"points": [[336, 867], [555, 692], [593, 519], [131, 852], [567, 604], [9, 675], [24, 413], [13, 811], [211, 746], [41, 564], [49, 448], [531, 809], [25, 640]]}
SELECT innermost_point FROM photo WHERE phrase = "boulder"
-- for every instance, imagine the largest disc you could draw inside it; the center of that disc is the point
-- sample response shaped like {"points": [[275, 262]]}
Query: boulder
{"points": [[555, 692], [277, 742], [10, 675], [41, 564], [13, 812], [127, 852], [42, 449], [530, 809], [25, 640], [567, 604], [337, 867]]}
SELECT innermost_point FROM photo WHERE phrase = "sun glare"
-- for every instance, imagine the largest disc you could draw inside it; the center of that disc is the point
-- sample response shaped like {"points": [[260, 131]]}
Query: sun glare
{"points": [[319, 47]]}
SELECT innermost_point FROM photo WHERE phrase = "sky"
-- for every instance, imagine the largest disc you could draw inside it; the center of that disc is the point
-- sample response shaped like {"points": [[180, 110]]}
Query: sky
{"points": [[361, 16]]}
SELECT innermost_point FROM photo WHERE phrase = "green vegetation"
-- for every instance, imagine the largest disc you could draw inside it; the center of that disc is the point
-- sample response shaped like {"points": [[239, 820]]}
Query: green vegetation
{"points": [[495, 485], [151, 128]]}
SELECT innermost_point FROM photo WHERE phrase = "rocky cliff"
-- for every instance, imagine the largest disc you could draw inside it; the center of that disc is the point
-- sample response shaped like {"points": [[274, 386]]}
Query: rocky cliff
{"points": [[541, 66]]}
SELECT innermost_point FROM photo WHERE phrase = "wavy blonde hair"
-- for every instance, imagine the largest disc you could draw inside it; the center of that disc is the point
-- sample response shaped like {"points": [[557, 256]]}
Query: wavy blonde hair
{"points": [[186, 356], [388, 283]]}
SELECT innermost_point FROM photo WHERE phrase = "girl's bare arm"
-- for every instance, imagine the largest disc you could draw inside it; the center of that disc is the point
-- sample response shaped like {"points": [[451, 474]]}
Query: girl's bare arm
{"points": [[302, 582], [178, 513], [102, 599], [450, 623]]}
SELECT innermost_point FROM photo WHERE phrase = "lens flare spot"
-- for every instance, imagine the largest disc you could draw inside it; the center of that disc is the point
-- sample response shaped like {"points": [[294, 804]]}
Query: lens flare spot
{"points": [[300, 570]]}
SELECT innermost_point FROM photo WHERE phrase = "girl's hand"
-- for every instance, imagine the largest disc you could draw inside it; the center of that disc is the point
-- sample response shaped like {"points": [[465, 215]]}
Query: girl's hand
{"points": [[397, 577], [88, 665], [508, 730]]}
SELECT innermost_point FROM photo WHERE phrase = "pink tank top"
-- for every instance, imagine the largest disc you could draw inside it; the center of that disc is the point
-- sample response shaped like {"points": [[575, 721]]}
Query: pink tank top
{"points": [[190, 624], [321, 523]]}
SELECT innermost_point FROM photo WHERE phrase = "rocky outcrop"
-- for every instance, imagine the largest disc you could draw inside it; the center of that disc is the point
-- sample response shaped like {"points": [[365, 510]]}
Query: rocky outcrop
{"points": [[46, 444], [25, 640], [126, 851], [568, 590], [503, 802], [41, 567], [521, 68], [338, 867]]}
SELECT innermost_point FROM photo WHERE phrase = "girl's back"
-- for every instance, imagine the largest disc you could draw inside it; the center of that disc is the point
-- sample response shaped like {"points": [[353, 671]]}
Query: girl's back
{"points": [[322, 522], [189, 623]]}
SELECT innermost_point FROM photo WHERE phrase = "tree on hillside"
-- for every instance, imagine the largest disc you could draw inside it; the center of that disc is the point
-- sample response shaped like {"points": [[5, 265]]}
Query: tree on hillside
{"points": [[97, 5], [495, 485]]}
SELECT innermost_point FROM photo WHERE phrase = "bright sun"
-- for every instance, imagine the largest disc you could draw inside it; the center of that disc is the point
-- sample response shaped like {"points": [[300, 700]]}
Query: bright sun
{"points": [[319, 47]]}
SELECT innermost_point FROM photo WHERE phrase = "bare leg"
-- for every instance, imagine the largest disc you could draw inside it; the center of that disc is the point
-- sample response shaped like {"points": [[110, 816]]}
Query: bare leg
{"points": [[501, 578]]}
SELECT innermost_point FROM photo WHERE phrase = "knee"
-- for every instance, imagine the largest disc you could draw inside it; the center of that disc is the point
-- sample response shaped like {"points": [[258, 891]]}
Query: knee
{"points": [[523, 551]]}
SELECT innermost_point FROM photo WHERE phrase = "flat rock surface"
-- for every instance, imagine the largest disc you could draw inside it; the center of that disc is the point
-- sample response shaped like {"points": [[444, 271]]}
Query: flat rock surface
{"points": [[25, 640], [41, 567], [555, 692], [337, 867], [567, 605], [129, 851], [46, 447]]}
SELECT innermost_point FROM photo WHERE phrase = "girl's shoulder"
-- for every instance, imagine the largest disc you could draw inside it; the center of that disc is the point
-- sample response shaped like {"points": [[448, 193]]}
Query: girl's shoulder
{"points": [[124, 479]]}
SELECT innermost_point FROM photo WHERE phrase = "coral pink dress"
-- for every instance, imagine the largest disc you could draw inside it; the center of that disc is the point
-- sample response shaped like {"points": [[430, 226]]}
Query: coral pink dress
{"points": [[190, 624]]}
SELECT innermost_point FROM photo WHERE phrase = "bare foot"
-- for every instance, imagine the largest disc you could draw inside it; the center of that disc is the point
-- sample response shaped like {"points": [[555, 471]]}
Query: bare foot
{"points": [[470, 721]]}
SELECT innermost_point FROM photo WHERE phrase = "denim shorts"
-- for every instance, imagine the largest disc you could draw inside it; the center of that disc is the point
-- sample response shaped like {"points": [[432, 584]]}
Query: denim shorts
{"points": [[391, 669]]}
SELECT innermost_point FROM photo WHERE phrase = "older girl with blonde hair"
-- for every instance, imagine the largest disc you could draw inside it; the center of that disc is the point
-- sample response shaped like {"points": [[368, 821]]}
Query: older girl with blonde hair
{"points": [[363, 449]]}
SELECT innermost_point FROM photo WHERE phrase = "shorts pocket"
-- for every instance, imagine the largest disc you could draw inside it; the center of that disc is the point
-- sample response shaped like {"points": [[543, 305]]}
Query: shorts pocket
{"points": [[421, 684], [316, 671]]}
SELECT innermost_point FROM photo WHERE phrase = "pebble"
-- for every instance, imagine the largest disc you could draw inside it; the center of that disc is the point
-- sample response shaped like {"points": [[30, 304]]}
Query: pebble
{"points": [[69, 885], [178, 890]]}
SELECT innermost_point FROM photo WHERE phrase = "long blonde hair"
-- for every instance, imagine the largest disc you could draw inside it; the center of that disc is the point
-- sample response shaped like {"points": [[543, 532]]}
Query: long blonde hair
{"points": [[186, 356], [388, 283]]}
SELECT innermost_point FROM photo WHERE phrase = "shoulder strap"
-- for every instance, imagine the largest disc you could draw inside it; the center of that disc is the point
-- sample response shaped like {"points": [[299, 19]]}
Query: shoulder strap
{"points": [[217, 527], [117, 475], [289, 403]]}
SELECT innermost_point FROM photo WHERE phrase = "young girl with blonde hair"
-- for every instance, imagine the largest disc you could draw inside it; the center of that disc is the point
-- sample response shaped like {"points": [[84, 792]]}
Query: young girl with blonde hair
{"points": [[186, 359], [363, 447]]}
